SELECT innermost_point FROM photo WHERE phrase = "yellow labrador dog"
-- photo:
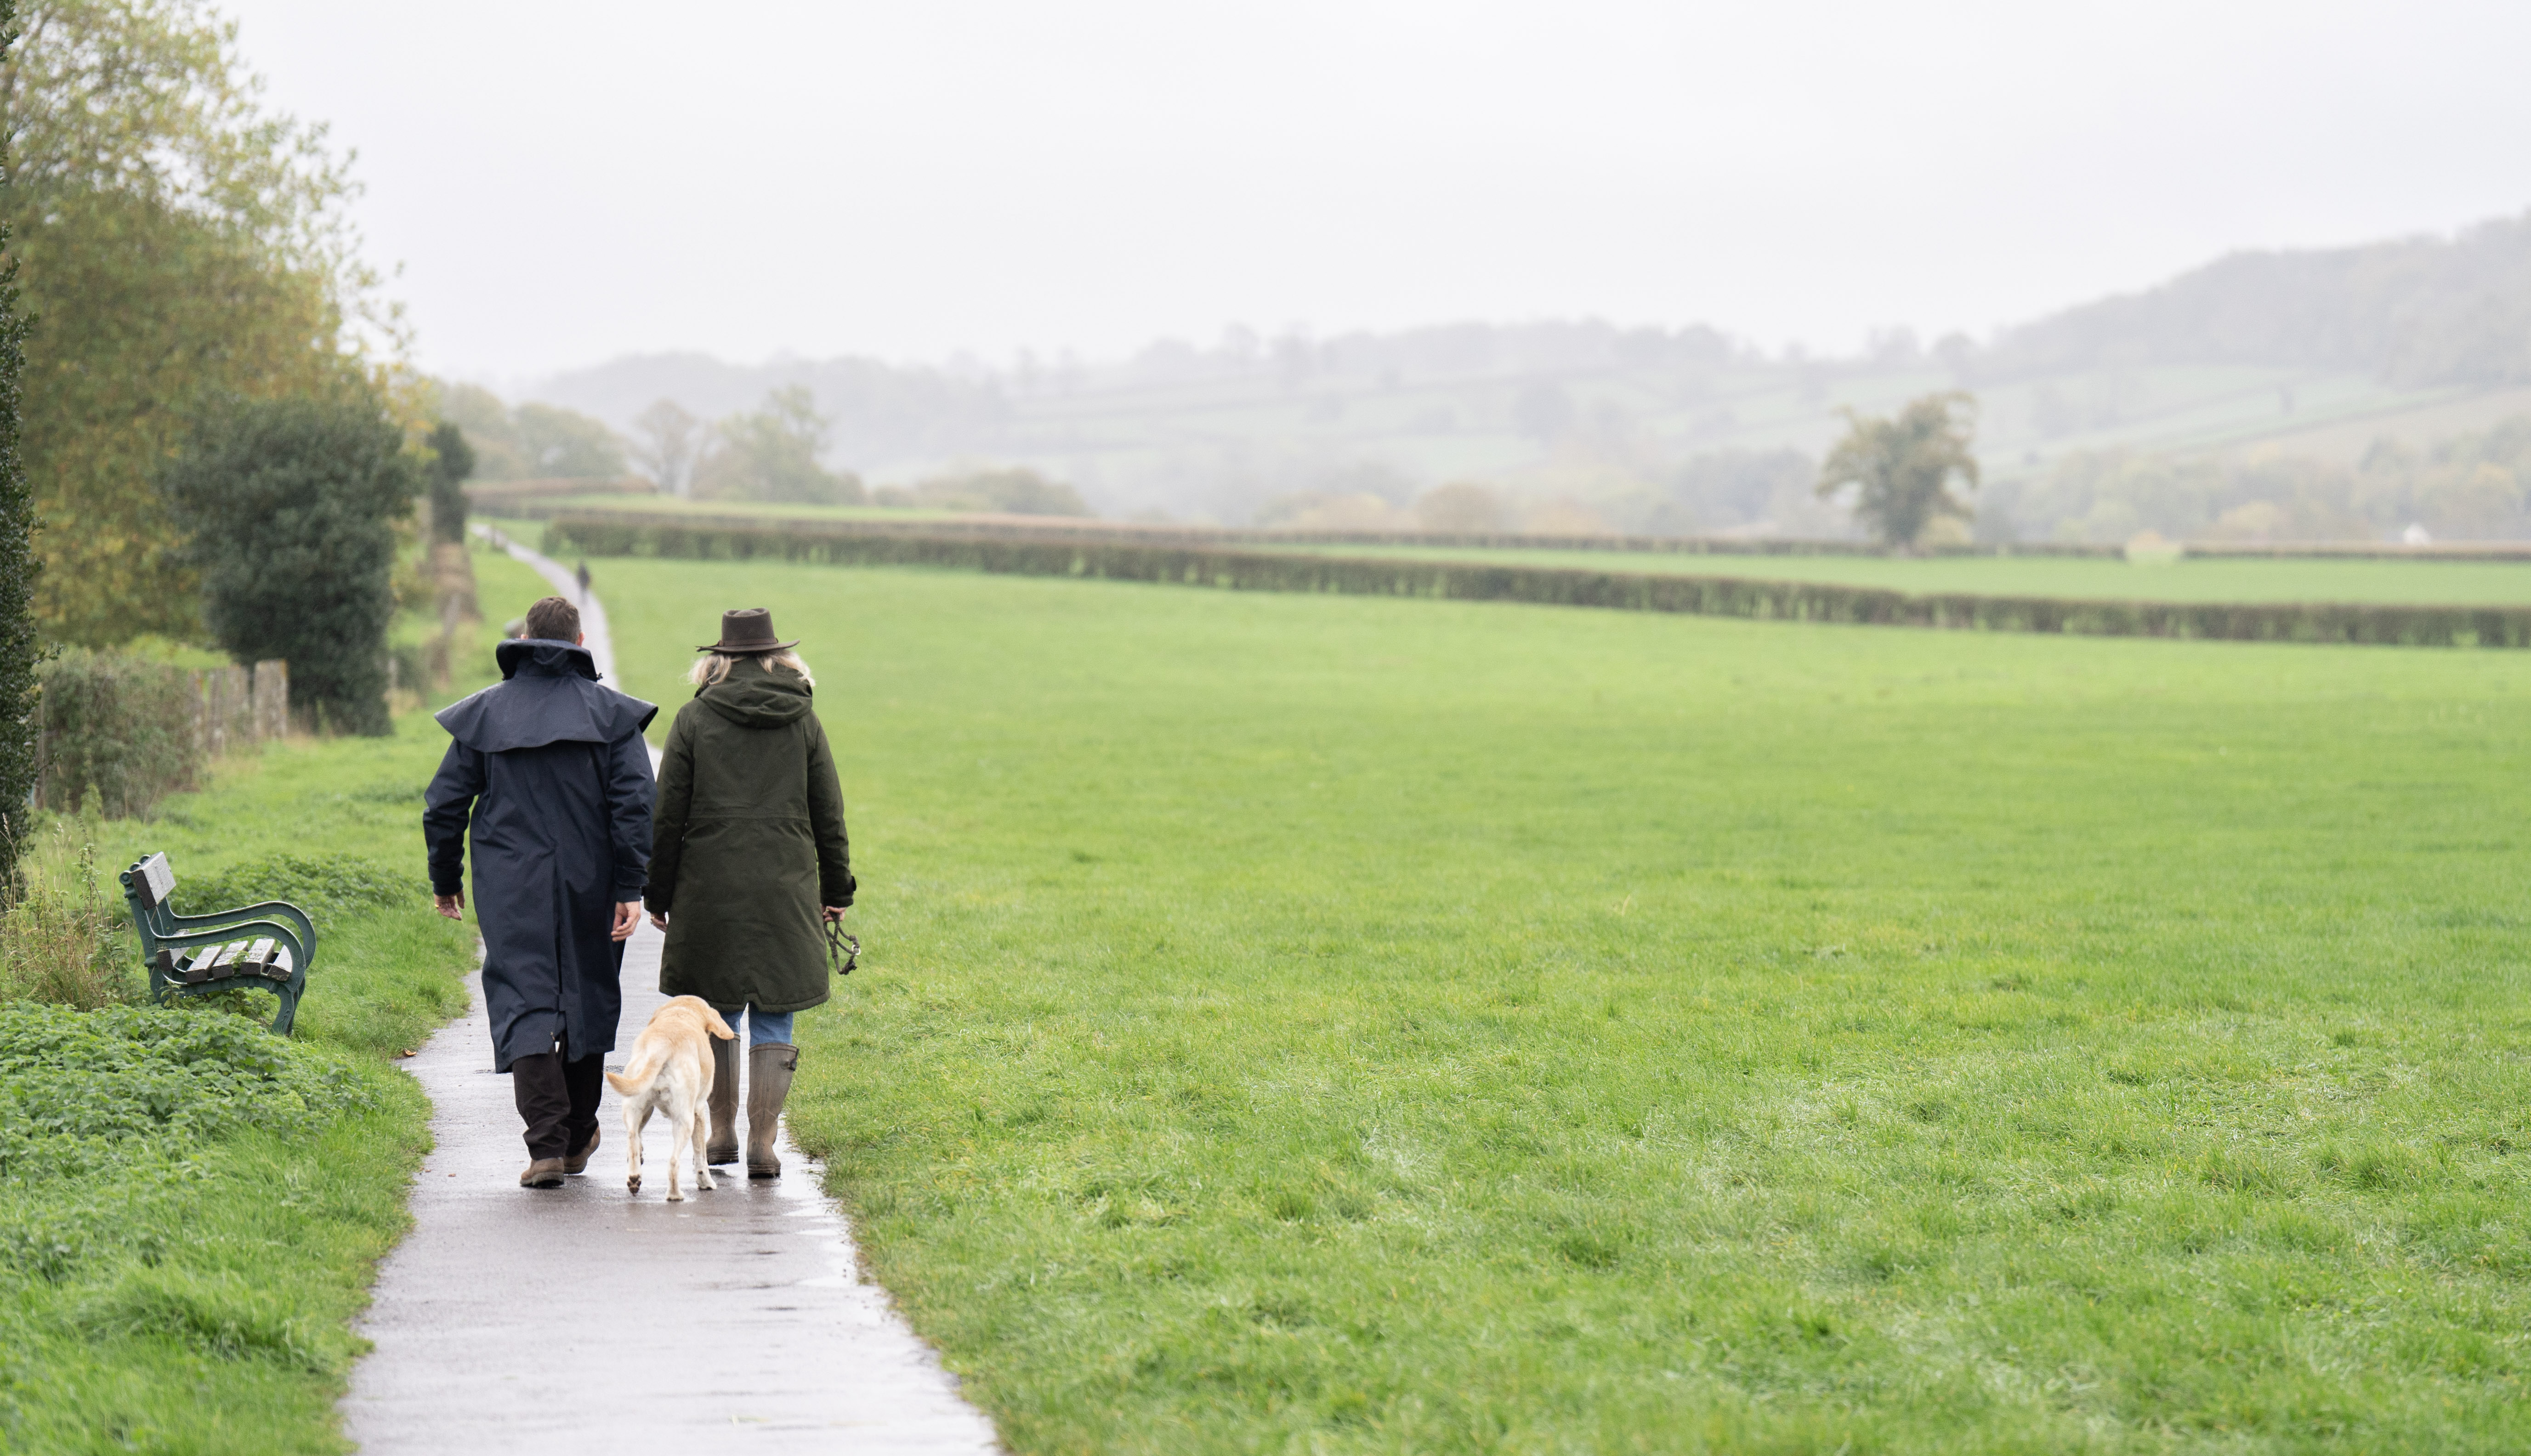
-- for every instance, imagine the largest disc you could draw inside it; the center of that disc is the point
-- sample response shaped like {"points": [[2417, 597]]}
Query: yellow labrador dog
{"points": [[671, 1069]]}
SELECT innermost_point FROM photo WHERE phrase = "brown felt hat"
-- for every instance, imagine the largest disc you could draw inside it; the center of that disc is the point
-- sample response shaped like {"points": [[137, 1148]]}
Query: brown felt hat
{"points": [[746, 630]]}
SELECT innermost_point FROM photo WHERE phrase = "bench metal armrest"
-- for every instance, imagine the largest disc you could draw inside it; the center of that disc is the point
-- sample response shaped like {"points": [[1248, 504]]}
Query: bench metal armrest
{"points": [[306, 936], [287, 936]]}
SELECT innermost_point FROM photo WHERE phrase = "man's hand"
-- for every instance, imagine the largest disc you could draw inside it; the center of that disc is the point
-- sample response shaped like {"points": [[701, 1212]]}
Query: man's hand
{"points": [[628, 917], [451, 906]]}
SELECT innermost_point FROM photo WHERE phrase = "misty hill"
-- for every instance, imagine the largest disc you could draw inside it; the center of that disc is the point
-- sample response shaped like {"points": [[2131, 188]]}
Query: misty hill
{"points": [[2416, 312], [2317, 354], [881, 413]]}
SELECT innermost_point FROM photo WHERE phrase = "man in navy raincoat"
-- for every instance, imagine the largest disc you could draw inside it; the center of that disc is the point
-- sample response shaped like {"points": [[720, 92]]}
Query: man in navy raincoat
{"points": [[549, 774]]}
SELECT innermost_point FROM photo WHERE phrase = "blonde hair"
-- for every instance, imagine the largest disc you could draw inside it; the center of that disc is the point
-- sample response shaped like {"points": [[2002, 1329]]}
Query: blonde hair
{"points": [[714, 666]]}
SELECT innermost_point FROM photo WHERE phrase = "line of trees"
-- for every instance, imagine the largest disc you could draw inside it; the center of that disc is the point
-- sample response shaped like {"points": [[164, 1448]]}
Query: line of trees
{"points": [[775, 453], [221, 442], [2473, 487]]}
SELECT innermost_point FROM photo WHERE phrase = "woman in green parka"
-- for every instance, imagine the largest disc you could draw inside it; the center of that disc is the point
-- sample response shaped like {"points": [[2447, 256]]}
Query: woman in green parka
{"points": [[748, 861]]}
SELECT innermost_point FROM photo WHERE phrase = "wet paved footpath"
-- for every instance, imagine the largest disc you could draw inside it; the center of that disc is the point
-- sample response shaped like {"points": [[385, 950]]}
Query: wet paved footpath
{"points": [[581, 1319]]}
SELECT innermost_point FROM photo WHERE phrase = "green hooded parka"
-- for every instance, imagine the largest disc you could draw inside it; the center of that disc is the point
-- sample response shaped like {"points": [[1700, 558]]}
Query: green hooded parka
{"points": [[748, 844]]}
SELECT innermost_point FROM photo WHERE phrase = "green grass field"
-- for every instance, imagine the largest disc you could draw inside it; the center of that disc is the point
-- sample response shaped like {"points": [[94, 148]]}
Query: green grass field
{"points": [[2203, 579], [1330, 1023], [201, 1305]]}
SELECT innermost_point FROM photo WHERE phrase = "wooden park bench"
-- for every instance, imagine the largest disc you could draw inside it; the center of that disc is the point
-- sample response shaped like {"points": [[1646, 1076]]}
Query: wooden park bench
{"points": [[230, 949]]}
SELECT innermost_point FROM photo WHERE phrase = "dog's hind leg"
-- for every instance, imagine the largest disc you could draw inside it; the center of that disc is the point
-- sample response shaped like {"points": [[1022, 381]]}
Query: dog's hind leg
{"points": [[703, 1142], [636, 1111], [681, 1115]]}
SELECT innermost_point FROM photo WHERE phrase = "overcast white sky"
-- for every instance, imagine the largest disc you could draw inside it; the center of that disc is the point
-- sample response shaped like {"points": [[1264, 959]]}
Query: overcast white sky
{"points": [[567, 182]]}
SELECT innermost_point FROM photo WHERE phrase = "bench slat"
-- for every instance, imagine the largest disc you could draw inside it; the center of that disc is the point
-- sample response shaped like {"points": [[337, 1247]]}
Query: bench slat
{"points": [[266, 958], [223, 963]]}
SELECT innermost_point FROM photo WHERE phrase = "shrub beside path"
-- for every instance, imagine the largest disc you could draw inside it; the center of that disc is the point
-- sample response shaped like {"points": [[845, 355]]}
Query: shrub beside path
{"points": [[578, 1318]]}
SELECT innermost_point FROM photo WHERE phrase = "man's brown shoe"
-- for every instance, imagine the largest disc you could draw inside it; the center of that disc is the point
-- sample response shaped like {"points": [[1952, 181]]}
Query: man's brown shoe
{"points": [[544, 1172], [577, 1162]]}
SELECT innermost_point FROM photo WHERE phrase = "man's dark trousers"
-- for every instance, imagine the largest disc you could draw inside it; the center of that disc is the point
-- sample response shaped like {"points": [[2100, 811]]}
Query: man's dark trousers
{"points": [[557, 1098]]}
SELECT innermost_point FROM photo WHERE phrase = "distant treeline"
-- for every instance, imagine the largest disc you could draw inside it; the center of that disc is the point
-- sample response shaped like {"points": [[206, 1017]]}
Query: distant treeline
{"points": [[1727, 596], [2471, 487]]}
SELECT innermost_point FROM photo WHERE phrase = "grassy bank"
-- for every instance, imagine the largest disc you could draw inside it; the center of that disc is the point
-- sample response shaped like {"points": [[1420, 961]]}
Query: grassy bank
{"points": [[1335, 1024], [191, 1223]]}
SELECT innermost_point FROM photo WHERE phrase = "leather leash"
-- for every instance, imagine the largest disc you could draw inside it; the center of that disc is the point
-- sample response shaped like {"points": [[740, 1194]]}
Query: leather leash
{"points": [[843, 952]]}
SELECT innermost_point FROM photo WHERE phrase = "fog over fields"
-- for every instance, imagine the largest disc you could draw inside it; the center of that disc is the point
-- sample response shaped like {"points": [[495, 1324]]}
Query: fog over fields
{"points": [[1617, 263], [2313, 356]]}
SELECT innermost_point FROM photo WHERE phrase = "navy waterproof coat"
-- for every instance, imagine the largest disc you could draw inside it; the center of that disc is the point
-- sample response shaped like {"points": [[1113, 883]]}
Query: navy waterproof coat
{"points": [[549, 772]]}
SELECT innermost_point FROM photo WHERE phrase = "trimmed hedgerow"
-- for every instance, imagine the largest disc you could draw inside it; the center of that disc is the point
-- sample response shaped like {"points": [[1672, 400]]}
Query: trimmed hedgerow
{"points": [[1721, 596], [117, 730], [19, 650]]}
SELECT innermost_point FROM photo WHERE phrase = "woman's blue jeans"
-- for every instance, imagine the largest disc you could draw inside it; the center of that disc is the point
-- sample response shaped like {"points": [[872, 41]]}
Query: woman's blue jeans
{"points": [[761, 1026]]}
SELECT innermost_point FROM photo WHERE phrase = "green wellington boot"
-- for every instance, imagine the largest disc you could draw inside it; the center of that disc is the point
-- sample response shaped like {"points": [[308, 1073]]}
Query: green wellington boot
{"points": [[722, 1145], [768, 1085]]}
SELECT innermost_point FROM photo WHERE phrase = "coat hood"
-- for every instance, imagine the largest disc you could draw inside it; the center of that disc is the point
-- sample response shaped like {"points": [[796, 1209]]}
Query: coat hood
{"points": [[753, 697], [549, 694]]}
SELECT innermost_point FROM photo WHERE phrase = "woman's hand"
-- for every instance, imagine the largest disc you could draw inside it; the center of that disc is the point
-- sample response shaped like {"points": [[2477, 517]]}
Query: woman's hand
{"points": [[660, 918], [835, 912]]}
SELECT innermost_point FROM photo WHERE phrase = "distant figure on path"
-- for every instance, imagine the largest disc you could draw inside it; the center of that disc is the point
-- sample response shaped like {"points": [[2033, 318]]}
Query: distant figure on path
{"points": [[751, 862], [550, 781], [581, 576]]}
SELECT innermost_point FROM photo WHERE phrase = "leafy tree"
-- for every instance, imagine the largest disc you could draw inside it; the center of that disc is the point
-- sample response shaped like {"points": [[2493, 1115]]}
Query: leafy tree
{"points": [[180, 246], [771, 454], [1012, 491], [1902, 469], [452, 462], [1461, 508], [534, 442], [291, 505], [670, 440], [19, 650], [564, 444]]}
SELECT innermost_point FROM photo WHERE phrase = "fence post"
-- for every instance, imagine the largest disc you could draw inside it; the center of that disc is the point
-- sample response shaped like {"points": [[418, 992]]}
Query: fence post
{"points": [[240, 720], [211, 720], [272, 688]]}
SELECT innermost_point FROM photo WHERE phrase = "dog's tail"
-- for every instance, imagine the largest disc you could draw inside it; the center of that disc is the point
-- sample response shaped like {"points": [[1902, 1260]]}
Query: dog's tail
{"points": [[718, 1028], [637, 1073]]}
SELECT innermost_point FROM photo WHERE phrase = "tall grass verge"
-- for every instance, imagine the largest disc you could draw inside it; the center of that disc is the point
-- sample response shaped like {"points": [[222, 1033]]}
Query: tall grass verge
{"points": [[62, 939]]}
